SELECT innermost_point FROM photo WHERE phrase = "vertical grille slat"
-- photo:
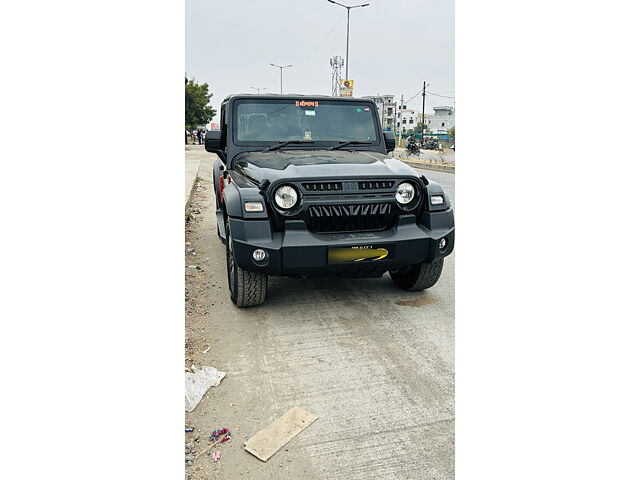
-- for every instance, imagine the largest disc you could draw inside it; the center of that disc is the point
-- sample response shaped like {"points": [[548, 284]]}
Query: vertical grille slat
{"points": [[350, 217]]}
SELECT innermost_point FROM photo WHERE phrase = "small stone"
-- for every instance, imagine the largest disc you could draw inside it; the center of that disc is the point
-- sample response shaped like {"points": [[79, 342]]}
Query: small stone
{"points": [[190, 463], [188, 458]]}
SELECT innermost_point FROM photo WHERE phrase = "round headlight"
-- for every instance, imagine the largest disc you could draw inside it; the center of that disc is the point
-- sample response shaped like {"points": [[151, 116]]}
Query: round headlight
{"points": [[405, 193], [286, 197]]}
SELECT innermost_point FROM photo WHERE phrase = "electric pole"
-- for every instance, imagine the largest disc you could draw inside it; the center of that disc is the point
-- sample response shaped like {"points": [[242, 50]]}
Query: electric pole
{"points": [[395, 117], [424, 90], [401, 117], [424, 96]]}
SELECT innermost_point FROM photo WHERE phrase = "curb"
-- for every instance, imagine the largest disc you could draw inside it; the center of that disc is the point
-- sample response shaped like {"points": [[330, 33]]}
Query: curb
{"points": [[192, 184], [430, 166], [187, 204]]}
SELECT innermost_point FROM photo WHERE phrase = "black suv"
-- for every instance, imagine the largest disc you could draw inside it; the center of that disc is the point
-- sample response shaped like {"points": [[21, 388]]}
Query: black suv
{"points": [[304, 186]]}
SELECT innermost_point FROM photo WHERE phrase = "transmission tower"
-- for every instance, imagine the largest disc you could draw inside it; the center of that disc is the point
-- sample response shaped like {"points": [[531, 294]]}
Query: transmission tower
{"points": [[336, 72]]}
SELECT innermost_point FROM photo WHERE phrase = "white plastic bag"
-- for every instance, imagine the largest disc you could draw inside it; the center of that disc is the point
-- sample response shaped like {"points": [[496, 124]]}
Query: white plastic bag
{"points": [[197, 384]]}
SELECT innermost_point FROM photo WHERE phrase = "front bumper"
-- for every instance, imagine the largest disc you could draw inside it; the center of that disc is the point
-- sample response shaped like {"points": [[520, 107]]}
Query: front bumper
{"points": [[297, 251]]}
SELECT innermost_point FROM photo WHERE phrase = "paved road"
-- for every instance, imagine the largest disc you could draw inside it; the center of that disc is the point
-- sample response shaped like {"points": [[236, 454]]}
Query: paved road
{"points": [[447, 180], [375, 363]]}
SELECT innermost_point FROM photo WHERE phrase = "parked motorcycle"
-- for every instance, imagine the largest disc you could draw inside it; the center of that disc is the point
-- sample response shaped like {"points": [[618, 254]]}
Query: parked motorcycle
{"points": [[431, 145]]}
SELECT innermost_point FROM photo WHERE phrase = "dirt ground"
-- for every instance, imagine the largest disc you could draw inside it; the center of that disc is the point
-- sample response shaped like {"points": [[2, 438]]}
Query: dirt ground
{"points": [[373, 362]]}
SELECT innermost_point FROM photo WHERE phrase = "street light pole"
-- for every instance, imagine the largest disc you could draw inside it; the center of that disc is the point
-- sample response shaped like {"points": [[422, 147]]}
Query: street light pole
{"points": [[348, 15], [258, 89], [280, 67]]}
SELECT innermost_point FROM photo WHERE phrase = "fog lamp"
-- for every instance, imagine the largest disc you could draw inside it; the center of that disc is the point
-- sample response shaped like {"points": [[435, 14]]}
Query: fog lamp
{"points": [[259, 254], [442, 243]]}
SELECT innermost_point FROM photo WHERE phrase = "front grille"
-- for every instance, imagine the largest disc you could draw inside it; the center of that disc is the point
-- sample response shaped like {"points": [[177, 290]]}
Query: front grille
{"points": [[348, 186], [350, 218], [375, 185], [322, 186]]}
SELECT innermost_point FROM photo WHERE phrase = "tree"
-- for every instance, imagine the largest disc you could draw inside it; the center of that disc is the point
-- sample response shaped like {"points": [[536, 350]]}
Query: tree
{"points": [[419, 127], [452, 132], [196, 99]]}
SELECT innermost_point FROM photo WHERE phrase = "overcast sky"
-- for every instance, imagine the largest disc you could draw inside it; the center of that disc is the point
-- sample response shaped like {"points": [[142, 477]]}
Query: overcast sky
{"points": [[394, 46]]}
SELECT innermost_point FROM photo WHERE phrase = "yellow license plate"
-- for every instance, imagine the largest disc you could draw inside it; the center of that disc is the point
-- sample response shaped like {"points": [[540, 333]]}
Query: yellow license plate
{"points": [[360, 253]]}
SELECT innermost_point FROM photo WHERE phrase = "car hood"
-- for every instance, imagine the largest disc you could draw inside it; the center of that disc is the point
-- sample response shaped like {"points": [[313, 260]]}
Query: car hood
{"points": [[308, 164]]}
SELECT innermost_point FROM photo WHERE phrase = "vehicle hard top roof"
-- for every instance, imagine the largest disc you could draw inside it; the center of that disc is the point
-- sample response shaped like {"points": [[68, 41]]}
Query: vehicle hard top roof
{"points": [[292, 96]]}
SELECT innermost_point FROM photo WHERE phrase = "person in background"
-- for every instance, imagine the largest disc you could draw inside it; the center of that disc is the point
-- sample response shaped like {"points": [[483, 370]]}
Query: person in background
{"points": [[186, 136], [193, 136]]}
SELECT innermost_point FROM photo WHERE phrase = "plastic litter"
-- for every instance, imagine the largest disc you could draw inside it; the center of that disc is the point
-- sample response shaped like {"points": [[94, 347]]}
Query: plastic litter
{"points": [[197, 384], [223, 435], [215, 456], [217, 437]]}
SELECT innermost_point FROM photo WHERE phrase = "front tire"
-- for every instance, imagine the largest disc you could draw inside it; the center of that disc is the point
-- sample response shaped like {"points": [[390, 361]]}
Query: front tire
{"points": [[246, 289], [419, 277]]}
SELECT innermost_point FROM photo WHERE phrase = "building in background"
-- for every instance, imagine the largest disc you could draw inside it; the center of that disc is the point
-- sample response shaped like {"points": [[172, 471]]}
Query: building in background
{"points": [[386, 110], [406, 120], [440, 121], [402, 120]]}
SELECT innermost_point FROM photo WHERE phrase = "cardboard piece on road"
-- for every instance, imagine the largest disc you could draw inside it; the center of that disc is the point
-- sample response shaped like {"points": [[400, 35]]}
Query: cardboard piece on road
{"points": [[271, 439]]}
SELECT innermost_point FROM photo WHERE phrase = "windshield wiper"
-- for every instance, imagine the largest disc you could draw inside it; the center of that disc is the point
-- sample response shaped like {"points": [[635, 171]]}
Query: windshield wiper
{"points": [[344, 144], [284, 144]]}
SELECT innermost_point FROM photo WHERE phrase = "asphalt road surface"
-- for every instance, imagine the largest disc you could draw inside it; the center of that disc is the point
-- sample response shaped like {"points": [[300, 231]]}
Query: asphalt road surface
{"points": [[375, 363], [446, 180]]}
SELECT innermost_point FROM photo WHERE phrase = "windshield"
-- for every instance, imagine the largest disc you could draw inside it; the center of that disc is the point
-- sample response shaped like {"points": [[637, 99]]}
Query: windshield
{"points": [[267, 121]]}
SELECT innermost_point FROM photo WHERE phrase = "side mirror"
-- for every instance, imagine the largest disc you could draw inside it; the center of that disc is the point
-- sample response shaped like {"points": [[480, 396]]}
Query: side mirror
{"points": [[213, 141], [389, 141]]}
